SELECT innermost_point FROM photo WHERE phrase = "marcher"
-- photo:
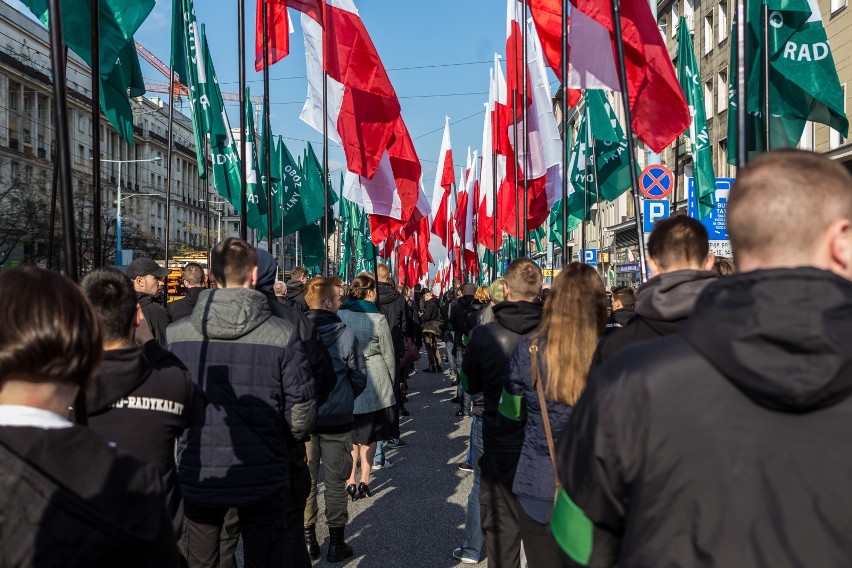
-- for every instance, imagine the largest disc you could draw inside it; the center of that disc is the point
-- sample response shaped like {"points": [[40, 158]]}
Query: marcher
{"points": [[331, 439], [373, 410], [485, 365], [148, 278], [546, 376], [296, 288], [240, 456], [195, 282], [464, 316], [623, 308], [67, 498], [143, 398], [392, 305], [495, 294], [724, 444], [432, 330], [280, 289]]}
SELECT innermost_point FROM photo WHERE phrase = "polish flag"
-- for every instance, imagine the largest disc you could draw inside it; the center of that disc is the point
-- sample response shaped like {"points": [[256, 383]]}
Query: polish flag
{"points": [[486, 209], [659, 110], [278, 27], [466, 211], [547, 15], [444, 180]]}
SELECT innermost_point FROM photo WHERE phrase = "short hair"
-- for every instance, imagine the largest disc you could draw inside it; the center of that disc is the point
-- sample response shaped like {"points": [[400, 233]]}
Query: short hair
{"points": [[468, 289], [725, 266], [524, 278], [49, 332], [383, 272], [280, 288], [320, 289], [495, 291], [113, 298], [298, 273], [418, 287], [232, 261], [481, 294], [625, 295], [806, 190], [361, 285], [678, 241], [193, 274]]}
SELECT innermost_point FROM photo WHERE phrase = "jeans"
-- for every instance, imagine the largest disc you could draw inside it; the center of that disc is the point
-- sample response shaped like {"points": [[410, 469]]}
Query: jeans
{"points": [[380, 454], [474, 541], [451, 359]]}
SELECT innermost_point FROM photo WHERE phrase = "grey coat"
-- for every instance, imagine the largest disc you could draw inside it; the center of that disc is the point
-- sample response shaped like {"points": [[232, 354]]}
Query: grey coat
{"points": [[374, 337]]}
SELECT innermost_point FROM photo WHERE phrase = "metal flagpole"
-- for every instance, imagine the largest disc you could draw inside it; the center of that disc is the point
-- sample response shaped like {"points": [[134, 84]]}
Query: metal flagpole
{"points": [[325, 170], [564, 133], [53, 195], [742, 98], [631, 144], [97, 244], [241, 54], [267, 138], [207, 195], [517, 189], [526, 134], [766, 69], [494, 208], [169, 150]]}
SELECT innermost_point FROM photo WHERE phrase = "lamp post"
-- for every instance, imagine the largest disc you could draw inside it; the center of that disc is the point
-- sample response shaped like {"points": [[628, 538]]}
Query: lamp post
{"points": [[118, 203]]}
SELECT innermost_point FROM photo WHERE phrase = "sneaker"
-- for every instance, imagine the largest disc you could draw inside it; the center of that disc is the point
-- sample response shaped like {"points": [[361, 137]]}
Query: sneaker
{"points": [[395, 443], [385, 465], [455, 382], [466, 467], [460, 412], [404, 412], [457, 554]]}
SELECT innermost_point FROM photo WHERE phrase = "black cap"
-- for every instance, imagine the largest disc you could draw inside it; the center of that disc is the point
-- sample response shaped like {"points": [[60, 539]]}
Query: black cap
{"points": [[145, 266]]}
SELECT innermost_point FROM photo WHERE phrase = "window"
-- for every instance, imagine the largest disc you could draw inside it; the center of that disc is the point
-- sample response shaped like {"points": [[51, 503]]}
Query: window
{"points": [[807, 141], [835, 139], [722, 166], [838, 5], [708, 98], [675, 18], [722, 23], [708, 33], [722, 90]]}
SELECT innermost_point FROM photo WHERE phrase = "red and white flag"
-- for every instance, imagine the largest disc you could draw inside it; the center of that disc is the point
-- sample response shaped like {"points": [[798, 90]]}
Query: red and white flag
{"points": [[278, 28], [444, 179]]}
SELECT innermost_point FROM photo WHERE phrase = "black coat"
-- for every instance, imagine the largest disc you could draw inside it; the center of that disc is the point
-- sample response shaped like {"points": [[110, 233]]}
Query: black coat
{"points": [[182, 308], [726, 444], [485, 365], [157, 316], [296, 295], [392, 304], [619, 319]]}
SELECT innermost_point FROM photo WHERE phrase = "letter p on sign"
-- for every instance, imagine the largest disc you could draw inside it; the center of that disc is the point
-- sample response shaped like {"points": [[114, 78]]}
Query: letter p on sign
{"points": [[653, 211]]}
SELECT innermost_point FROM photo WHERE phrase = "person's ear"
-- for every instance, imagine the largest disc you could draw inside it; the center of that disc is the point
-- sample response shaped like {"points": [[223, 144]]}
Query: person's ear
{"points": [[709, 262], [652, 266], [253, 280], [839, 240]]}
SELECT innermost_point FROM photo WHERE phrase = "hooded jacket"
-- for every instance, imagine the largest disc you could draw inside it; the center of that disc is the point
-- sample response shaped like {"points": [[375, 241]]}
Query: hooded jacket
{"points": [[182, 308], [334, 416], [253, 369], [618, 319], [485, 364], [726, 444], [157, 316], [142, 400], [662, 305], [392, 304], [296, 295]]}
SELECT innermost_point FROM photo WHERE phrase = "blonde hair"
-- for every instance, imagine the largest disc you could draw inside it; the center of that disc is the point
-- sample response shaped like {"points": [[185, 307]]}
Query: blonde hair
{"points": [[573, 319], [482, 295]]}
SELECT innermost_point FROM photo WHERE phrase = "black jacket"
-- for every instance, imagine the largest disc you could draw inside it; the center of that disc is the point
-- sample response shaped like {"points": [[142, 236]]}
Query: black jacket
{"points": [[431, 310], [619, 319], [296, 295], [662, 305], [726, 444], [392, 304], [182, 308], [142, 400], [157, 316], [485, 365], [68, 499], [458, 320]]}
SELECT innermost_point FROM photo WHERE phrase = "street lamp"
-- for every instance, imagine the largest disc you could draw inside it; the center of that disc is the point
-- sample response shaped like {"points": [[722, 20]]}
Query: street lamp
{"points": [[118, 203]]}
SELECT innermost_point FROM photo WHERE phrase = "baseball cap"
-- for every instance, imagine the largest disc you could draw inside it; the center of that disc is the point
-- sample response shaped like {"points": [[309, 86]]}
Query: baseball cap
{"points": [[145, 266]]}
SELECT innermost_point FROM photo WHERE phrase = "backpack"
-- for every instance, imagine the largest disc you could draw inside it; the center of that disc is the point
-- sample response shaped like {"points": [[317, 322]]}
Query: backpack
{"points": [[469, 320]]}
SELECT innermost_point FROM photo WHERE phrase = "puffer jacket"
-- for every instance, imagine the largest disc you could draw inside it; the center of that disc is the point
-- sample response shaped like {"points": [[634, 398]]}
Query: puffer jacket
{"points": [[253, 369], [534, 477], [334, 416], [374, 336]]}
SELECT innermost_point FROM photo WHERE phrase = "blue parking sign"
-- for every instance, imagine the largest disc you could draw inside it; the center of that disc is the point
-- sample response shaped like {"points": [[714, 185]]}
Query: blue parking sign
{"points": [[589, 256], [652, 211]]}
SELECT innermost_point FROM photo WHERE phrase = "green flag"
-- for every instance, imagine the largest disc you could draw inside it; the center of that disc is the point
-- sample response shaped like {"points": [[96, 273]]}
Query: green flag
{"points": [[803, 82], [313, 247], [293, 183], [255, 197], [699, 135], [189, 60], [118, 69]]}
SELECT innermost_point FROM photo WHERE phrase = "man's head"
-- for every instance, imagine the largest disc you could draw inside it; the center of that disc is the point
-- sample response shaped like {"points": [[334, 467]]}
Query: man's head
{"points": [[679, 243], [112, 296], [280, 289], [418, 288], [193, 275], [299, 273], [324, 293], [792, 208], [383, 272], [147, 275], [468, 289], [522, 281], [495, 291], [623, 297], [49, 335], [234, 264]]}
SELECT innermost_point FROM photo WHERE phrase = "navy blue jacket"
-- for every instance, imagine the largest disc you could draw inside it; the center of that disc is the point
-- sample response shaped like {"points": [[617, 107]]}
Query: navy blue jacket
{"points": [[253, 369]]}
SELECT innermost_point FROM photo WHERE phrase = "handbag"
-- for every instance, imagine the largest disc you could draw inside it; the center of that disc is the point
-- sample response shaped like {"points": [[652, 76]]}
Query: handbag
{"points": [[545, 418], [410, 354]]}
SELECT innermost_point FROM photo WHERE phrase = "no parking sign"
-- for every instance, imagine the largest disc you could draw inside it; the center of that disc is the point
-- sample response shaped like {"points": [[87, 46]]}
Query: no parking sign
{"points": [[656, 182]]}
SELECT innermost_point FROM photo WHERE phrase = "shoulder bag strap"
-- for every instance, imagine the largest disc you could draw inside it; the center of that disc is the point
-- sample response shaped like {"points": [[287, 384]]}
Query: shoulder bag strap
{"points": [[536, 377]]}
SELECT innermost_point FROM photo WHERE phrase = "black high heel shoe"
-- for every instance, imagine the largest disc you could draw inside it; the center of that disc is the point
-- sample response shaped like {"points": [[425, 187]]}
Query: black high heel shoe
{"points": [[353, 491], [364, 490]]}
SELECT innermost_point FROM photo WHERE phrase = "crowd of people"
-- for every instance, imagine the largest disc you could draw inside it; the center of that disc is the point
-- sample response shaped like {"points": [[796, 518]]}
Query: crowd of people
{"points": [[698, 420]]}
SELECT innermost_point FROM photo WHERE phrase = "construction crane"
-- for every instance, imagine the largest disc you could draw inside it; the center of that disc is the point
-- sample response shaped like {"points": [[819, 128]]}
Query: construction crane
{"points": [[180, 89]]}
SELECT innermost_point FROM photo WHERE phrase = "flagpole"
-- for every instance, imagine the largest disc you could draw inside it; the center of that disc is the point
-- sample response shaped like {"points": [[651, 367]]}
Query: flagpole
{"points": [[494, 208], [517, 175], [207, 196], [169, 148], [96, 136], [742, 99], [325, 169], [631, 144], [526, 135], [267, 138], [241, 54], [564, 63], [766, 115], [53, 194]]}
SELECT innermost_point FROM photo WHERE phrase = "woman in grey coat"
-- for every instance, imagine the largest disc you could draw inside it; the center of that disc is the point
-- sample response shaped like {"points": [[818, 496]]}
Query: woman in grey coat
{"points": [[373, 407]]}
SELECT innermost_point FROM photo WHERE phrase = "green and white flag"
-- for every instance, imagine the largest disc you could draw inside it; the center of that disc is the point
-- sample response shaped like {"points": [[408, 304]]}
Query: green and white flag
{"points": [[699, 135], [255, 197], [803, 82]]}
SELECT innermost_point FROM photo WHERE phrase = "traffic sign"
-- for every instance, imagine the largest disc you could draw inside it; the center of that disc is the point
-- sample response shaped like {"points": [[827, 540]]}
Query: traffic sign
{"points": [[656, 182], [716, 222], [653, 211], [590, 256]]}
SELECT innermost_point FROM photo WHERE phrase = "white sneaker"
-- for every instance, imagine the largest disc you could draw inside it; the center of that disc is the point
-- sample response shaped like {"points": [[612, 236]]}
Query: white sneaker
{"points": [[457, 554], [385, 465]]}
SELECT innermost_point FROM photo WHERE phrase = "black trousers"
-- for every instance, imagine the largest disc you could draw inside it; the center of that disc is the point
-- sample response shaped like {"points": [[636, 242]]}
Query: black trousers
{"points": [[539, 546], [500, 511]]}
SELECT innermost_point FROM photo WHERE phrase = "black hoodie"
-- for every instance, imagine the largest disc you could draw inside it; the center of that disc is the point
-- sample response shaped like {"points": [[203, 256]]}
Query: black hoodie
{"points": [[296, 295], [726, 444], [182, 308], [142, 400]]}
